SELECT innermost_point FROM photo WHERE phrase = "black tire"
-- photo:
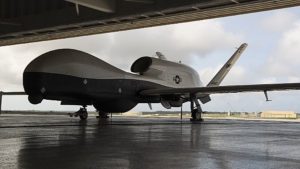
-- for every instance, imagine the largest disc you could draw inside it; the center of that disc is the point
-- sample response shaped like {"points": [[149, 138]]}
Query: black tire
{"points": [[83, 115], [198, 116], [194, 111]]}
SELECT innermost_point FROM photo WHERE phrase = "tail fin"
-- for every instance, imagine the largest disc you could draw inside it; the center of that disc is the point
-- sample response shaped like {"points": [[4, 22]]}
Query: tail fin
{"points": [[226, 68]]}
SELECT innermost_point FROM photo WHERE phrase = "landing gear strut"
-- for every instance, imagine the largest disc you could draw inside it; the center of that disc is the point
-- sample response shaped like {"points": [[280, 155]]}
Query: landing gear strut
{"points": [[196, 111], [82, 113]]}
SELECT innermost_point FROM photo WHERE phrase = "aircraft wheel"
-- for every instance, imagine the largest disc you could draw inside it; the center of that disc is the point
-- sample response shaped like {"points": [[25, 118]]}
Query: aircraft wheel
{"points": [[83, 115], [198, 117]]}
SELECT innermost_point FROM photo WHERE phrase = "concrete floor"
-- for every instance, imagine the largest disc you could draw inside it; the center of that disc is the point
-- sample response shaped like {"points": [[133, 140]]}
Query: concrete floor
{"points": [[58, 142]]}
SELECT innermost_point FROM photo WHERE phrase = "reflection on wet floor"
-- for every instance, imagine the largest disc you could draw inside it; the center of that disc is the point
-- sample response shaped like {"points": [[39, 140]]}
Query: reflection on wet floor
{"points": [[60, 142]]}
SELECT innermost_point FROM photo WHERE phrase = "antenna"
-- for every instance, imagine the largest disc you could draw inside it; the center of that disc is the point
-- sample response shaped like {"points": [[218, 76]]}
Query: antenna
{"points": [[160, 56]]}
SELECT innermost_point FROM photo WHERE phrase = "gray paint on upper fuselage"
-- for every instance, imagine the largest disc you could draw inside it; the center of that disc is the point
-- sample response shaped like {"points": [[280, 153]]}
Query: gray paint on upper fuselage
{"points": [[166, 71], [80, 64], [74, 63]]}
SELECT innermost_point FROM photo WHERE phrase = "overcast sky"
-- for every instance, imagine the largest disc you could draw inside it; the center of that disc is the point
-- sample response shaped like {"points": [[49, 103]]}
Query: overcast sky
{"points": [[273, 56]]}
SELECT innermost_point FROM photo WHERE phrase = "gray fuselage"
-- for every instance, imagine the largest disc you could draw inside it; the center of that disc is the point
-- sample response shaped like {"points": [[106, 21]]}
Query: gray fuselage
{"points": [[77, 78]]}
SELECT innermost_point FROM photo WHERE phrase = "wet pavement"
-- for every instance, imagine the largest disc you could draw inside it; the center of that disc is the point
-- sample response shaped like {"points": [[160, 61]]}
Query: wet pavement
{"points": [[59, 142]]}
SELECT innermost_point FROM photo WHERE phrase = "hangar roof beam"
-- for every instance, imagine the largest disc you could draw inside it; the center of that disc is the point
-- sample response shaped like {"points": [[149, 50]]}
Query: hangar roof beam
{"points": [[23, 21], [107, 6]]}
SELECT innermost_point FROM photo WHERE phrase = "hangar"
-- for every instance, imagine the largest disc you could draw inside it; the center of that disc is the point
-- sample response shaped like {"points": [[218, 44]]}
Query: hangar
{"points": [[23, 21]]}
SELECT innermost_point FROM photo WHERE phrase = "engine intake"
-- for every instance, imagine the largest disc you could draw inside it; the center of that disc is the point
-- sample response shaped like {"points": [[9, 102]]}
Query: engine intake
{"points": [[141, 65]]}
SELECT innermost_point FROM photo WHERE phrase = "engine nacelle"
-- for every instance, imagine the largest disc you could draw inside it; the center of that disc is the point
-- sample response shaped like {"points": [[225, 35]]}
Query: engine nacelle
{"points": [[149, 66], [174, 74], [142, 65]]}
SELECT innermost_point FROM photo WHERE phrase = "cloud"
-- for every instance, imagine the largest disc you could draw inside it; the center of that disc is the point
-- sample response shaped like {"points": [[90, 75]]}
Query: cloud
{"points": [[202, 38], [235, 76], [187, 42], [284, 61], [268, 80], [10, 69], [279, 21]]}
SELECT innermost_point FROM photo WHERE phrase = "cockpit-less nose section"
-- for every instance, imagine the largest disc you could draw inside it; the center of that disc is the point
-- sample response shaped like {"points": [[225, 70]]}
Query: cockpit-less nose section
{"points": [[78, 78]]}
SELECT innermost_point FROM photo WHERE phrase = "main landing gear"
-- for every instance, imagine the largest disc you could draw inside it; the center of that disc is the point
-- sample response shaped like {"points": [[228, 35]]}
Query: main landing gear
{"points": [[196, 110], [82, 113]]}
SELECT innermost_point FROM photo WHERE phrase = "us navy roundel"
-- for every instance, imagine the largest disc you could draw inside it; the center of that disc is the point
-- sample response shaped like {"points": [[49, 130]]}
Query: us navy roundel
{"points": [[177, 79]]}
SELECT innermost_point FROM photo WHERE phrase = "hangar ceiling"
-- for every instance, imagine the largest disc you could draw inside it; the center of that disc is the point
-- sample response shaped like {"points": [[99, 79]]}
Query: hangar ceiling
{"points": [[23, 21]]}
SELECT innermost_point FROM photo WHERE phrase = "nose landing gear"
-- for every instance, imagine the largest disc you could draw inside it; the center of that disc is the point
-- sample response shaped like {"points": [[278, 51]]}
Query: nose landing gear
{"points": [[82, 113]]}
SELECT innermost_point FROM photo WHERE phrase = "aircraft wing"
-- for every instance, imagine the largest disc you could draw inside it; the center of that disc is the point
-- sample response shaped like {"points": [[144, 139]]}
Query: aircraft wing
{"points": [[222, 89]]}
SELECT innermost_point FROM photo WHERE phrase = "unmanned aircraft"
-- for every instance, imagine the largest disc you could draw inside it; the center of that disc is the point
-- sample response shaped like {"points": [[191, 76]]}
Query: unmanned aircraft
{"points": [[77, 78]]}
